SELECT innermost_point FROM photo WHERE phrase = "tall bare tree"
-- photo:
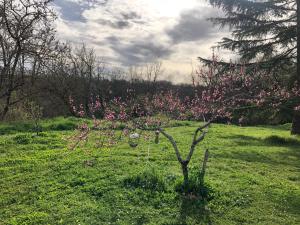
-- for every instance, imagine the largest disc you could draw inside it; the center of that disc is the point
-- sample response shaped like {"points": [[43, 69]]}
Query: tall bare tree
{"points": [[153, 71], [27, 38]]}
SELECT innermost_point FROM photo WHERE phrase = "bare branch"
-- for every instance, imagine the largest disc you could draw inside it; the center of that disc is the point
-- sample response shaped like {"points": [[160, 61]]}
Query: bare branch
{"points": [[173, 142]]}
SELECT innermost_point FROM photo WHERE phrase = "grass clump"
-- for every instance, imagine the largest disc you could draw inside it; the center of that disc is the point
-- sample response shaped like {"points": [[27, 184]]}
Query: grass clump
{"points": [[148, 179], [197, 186], [62, 126], [22, 139]]}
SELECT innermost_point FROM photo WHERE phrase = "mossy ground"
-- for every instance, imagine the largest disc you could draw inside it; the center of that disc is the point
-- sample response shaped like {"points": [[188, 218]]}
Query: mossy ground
{"points": [[254, 174]]}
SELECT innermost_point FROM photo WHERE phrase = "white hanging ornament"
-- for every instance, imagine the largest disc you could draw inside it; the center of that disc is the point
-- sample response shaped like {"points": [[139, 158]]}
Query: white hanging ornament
{"points": [[133, 140]]}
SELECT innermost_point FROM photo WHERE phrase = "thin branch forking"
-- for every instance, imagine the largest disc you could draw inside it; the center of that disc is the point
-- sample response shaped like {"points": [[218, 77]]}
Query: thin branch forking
{"points": [[171, 139], [196, 140]]}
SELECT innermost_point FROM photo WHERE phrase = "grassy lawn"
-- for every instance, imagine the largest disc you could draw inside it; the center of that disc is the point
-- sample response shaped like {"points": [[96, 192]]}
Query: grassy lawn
{"points": [[253, 173]]}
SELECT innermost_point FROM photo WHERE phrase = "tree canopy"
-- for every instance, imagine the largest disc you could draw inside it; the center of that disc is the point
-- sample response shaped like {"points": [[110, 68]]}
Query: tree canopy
{"points": [[264, 31]]}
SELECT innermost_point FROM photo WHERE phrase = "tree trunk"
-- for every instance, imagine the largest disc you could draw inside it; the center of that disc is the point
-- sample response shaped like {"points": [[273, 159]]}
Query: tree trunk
{"points": [[206, 155], [3, 114], [6, 107], [296, 124], [185, 173], [156, 137], [296, 119]]}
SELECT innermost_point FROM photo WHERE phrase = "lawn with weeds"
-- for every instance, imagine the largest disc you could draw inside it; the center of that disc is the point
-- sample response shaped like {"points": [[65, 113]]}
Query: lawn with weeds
{"points": [[253, 177]]}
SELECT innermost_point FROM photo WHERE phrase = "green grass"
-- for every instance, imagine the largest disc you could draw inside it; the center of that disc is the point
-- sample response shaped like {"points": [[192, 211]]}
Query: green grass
{"points": [[253, 175], [56, 124]]}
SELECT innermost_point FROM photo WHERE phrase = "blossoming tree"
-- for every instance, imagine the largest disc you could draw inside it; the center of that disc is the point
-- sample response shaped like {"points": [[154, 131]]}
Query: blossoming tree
{"points": [[131, 119], [240, 88], [221, 94]]}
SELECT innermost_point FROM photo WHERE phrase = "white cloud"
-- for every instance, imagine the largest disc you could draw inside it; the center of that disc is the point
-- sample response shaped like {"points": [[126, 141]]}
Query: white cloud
{"points": [[136, 31]]}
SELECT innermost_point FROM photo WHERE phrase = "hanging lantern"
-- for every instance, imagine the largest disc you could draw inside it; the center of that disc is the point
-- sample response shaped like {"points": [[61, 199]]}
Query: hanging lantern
{"points": [[134, 140]]}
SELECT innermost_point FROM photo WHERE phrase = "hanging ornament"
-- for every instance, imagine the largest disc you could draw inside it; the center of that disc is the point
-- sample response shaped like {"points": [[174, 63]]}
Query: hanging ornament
{"points": [[134, 140]]}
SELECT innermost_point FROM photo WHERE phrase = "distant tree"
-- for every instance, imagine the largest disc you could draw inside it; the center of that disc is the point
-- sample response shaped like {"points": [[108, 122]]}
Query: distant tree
{"points": [[60, 80], [146, 74], [34, 114], [26, 40], [152, 73], [264, 31], [76, 72], [134, 74]]}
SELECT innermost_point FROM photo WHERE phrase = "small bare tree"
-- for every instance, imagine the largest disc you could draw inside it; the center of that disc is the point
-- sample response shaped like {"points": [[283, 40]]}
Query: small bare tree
{"points": [[152, 72], [34, 113], [199, 136]]}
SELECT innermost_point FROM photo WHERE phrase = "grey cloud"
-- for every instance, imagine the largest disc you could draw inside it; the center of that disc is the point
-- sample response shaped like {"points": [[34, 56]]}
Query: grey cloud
{"points": [[137, 52], [130, 16], [119, 24], [122, 21], [72, 11], [193, 26]]}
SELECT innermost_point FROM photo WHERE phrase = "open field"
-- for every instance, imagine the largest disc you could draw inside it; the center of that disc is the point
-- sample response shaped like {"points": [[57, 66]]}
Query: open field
{"points": [[253, 174]]}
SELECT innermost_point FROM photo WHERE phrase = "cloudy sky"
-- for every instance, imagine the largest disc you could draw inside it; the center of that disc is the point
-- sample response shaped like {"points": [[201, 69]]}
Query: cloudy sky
{"points": [[134, 32]]}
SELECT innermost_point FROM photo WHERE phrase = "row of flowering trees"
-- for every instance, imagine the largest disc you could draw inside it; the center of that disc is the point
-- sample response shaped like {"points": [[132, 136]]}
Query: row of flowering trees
{"points": [[221, 94], [239, 88]]}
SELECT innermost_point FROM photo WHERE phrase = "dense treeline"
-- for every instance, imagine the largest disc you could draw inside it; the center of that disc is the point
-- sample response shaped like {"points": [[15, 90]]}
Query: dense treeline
{"points": [[79, 74]]}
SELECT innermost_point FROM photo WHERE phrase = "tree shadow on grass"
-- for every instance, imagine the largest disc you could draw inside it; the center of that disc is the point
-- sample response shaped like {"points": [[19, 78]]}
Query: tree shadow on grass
{"points": [[276, 151], [195, 209], [192, 210], [270, 141], [282, 127], [288, 201], [289, 156], [192, 205]]}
